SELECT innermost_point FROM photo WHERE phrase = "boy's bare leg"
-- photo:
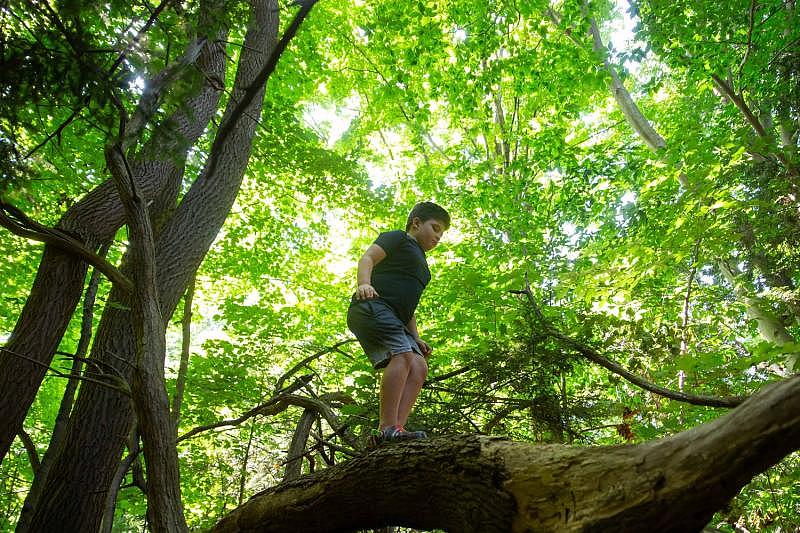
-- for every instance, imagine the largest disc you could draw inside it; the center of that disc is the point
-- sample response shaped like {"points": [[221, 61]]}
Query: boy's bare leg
{"points": [[393, 384], [414, 382]]}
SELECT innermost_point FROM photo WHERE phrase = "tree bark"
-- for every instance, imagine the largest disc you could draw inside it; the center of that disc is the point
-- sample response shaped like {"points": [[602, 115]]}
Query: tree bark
{"points": [[59, 428], [74, 497], [94, 220], [150, 399], [485, 484]]}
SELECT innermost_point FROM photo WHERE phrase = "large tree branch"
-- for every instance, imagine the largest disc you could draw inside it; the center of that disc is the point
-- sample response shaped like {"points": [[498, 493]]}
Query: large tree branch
{"points": [[484, 484]]}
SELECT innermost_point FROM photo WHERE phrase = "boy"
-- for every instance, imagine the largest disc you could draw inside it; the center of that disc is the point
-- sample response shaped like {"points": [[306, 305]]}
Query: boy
{"points": [[392, 274]]}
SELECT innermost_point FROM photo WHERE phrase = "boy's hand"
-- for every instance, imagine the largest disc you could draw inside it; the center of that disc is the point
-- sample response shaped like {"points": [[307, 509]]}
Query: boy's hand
{"points": [[426, 349], [366, 292]]}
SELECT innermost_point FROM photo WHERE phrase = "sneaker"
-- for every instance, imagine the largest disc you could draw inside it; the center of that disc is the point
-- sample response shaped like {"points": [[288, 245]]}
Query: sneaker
{"points": [[394, 434], [413, 435]]}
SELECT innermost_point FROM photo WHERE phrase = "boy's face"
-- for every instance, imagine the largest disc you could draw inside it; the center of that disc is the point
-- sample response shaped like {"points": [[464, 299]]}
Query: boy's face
{"points": [[427, 233]]}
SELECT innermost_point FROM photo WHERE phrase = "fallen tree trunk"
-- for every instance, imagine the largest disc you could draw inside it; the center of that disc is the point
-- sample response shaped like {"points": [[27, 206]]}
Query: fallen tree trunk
{"points": [[482, 484]]}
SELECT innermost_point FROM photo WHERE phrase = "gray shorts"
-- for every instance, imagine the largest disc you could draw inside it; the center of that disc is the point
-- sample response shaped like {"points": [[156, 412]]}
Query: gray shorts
{"points": [[379, 331]]}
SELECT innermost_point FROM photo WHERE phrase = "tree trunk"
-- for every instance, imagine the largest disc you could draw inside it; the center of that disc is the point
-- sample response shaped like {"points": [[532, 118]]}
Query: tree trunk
{"points": [[59, 428], [294, 461], [486, 484], [95, 219], [150, 399], [75, 495]]}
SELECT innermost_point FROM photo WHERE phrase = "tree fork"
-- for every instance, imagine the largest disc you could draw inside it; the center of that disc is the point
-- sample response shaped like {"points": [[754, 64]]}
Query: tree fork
{"points": [[77, 497], [486, 484], [94, 220]]}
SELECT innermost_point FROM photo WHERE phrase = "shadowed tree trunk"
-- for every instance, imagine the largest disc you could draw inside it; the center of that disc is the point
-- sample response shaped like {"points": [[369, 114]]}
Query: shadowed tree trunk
{"points": [[487, 484], [59, 427], [95, 220], [75, 493]]}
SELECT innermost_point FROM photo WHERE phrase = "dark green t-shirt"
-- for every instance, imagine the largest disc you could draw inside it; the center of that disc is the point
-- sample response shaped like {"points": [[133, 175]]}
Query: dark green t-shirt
{"points": [[402, 275]]}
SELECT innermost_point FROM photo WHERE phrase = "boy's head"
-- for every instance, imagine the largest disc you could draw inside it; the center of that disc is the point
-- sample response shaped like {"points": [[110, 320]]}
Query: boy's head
{"points": [[425, 211], [426, 223]]}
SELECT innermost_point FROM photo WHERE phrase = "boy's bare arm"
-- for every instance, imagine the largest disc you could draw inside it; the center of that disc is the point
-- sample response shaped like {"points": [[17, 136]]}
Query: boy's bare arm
{"points": [[374, 255]]}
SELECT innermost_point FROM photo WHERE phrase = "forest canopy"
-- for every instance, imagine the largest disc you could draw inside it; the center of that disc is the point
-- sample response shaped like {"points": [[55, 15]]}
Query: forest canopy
{"points": [[186, 187]]}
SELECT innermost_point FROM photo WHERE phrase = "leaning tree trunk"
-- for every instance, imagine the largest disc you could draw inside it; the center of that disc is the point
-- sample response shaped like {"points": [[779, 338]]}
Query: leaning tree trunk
{"points": [[489, 484], [59, 426], [95, 220], [74, 495], [150, 400]]}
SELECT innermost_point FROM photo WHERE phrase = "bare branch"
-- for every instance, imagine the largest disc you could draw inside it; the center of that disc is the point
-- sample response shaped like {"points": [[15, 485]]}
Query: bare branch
{"points": [[150, 21], [727, 90], [333, 445], [30, 449], [18, 223], [274, 405], [448, 375], [116, 383], [303, 362], [594, 356]]}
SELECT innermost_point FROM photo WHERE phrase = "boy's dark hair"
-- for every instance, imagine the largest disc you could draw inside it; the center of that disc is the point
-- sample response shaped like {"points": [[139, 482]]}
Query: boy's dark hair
{"points": [[426, 211]]}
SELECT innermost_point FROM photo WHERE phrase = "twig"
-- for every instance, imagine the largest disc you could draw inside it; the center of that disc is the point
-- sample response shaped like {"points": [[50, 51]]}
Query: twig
{"points": [[121, 386], [749, 37], [687, 298], [333, 446], [96, 363], [448, 375], [303, 362], [153, 16], [259, 409], [58, 131]]}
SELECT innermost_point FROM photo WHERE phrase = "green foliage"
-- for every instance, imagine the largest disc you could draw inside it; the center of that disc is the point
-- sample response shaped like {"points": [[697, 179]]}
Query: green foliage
{"points": [[622, 247]]}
